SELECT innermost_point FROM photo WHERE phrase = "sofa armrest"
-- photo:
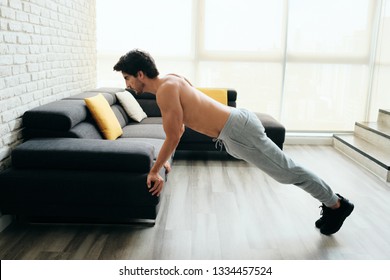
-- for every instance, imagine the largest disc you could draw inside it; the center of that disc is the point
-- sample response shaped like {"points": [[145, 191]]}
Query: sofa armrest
{"points": [[59, 115], [83, 154], [274, 129]]}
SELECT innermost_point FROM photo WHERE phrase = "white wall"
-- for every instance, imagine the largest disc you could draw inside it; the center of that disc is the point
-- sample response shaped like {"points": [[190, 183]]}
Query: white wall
{"points": [[47, 52]]}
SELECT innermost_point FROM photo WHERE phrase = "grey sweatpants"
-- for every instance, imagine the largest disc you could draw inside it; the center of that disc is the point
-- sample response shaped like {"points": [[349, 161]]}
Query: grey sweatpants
{"points": [[244, 138]]}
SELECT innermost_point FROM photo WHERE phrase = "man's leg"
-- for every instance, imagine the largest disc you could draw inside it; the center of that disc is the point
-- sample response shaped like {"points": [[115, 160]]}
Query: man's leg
{"points": [[249, 142], [245, 138]]}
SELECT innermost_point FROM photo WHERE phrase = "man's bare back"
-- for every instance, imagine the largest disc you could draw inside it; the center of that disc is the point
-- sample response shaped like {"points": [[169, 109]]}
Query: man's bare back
{"points": [[200, 112]]}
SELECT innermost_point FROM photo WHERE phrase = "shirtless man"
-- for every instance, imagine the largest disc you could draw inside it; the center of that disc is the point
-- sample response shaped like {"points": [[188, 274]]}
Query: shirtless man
{"points": [[239, 130]]}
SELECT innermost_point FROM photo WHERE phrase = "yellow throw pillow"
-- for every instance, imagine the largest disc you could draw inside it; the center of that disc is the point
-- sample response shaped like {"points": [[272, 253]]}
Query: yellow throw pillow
{"points": [[104, 116], [218, 94]]}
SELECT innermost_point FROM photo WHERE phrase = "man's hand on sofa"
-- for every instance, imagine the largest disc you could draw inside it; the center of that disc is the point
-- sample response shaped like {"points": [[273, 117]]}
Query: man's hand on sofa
{"points": [[155, 183]]}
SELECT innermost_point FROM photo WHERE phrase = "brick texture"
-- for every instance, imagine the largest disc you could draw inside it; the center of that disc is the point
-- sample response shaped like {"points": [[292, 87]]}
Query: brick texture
{"points": [[47, 52]]}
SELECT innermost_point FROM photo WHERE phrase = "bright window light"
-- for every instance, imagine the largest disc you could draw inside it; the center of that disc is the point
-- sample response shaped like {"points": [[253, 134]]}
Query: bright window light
{"points": [[330, 27], [160, 27], [243, 26]]}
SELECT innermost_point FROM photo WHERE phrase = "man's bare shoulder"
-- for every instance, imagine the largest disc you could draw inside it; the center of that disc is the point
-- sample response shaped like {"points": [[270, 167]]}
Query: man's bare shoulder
{"points": [[171, 81], [168, 93], [170, 85]]}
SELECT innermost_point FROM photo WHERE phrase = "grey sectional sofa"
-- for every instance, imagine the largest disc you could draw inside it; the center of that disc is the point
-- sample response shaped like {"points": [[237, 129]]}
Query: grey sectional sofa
{"points": [[66, 171]]}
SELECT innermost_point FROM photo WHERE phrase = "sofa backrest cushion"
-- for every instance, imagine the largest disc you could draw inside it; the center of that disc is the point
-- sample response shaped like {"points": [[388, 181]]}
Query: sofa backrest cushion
{"points": [[60, 115], [120, 114], [111, 99], [87, 129], [107, 92], [149, 105]]}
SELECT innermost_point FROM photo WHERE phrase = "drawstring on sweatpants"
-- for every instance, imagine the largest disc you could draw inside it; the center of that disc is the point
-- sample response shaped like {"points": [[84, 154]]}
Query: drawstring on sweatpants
{"points": [[218, 144]]}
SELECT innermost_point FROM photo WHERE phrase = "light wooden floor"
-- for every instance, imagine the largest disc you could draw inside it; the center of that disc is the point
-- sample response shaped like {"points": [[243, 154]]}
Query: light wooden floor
{"points": [[213, 209]]}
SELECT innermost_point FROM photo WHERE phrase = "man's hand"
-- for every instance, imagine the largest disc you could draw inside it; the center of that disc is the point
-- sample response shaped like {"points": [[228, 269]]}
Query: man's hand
{"points": [[158, 183]]}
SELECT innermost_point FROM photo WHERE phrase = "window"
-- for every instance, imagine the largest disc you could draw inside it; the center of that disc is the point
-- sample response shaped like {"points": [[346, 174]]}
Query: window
{"points": [[330, 30], [243, 27], [314, 65], [164, 28], [327, 64]]}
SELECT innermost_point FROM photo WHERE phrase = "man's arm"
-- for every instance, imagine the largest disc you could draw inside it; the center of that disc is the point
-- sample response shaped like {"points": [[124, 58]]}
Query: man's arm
{"points": [[168, 100]]}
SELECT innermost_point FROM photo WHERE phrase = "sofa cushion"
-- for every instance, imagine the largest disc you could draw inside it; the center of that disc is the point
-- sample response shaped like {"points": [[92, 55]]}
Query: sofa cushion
{"points": [[84, 154], [60, 115], [104, 116], [156, 143], [155, 131], [149, 120], [131, 106]]}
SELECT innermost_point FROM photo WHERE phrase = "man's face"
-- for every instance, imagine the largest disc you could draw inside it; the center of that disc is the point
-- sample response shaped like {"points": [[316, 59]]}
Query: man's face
{"points": [[133, 83]]}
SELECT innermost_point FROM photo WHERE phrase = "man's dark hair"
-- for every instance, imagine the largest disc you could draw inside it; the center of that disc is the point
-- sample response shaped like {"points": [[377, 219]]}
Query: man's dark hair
{"points": [[135, 61]]}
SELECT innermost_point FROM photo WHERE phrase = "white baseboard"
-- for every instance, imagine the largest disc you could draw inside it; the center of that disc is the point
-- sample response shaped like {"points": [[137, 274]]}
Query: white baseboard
{"points": [[293, 138]]}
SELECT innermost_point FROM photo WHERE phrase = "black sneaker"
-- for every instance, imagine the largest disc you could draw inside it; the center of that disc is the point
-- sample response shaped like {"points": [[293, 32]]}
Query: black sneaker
{"points": [[321, 220], [332, 219]]}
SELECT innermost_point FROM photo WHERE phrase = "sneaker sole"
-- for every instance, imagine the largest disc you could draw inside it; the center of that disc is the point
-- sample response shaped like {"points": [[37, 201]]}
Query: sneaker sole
{"points": [[342, 222]]}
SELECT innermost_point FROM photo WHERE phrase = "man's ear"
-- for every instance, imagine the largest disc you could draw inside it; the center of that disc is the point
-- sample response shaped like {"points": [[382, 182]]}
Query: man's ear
{"points": [[140, 74]]}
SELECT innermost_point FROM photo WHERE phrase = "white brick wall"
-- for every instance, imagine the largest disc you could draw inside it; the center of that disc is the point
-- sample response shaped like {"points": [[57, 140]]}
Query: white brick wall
{"points": [[47, 52]]}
